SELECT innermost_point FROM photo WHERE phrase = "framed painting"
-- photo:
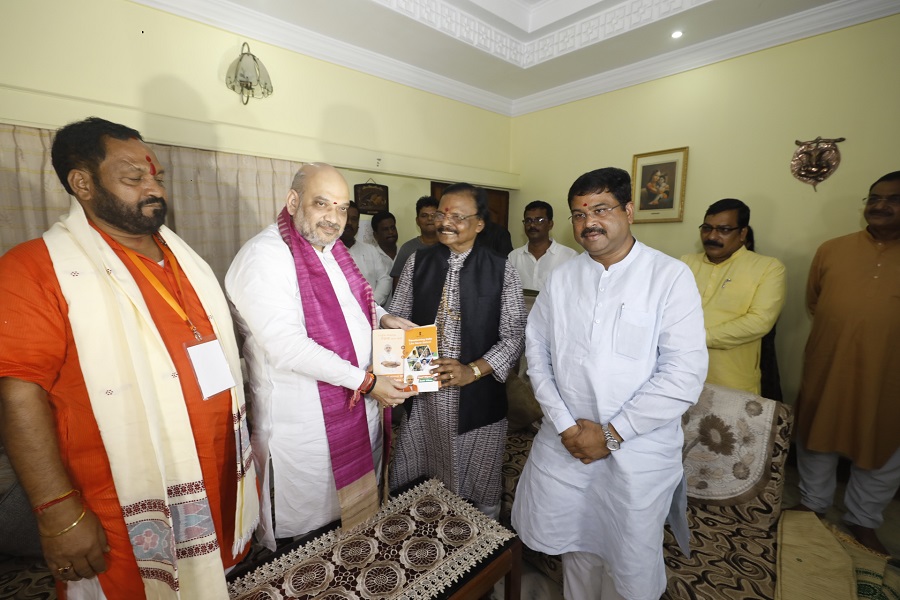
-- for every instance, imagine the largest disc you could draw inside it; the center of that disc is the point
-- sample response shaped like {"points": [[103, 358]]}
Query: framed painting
{"points": [[371, 198], [659, 180]]}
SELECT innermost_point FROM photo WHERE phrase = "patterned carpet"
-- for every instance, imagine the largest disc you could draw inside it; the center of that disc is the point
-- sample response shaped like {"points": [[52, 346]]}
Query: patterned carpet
{"points": [[25, 579]]}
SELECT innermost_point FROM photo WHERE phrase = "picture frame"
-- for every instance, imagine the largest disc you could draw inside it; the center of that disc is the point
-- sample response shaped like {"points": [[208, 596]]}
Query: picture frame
{"points": [[371, 198], [659, 182]]}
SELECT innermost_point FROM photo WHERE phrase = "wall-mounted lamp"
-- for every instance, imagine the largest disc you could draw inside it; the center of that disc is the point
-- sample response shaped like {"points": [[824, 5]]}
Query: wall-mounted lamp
{"points": [[248, 77]]}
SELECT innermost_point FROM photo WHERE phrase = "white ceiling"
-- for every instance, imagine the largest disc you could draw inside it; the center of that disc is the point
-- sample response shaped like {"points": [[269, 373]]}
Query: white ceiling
{"points": [[518, 56]]}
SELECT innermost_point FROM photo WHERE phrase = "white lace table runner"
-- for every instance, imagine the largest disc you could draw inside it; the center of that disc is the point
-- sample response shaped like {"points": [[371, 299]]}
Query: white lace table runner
{"points": [[417, 545]]}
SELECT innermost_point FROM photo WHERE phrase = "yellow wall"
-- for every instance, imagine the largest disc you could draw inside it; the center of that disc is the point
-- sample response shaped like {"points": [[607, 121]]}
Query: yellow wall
{"points": [[164, 75], [740, 119]]}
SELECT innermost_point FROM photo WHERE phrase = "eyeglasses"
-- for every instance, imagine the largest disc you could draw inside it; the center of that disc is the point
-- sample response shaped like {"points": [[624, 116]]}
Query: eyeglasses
{"points": [[439, 216], [723, 229], [534, 220], [427, 216], [870, 200], [605, 211]]}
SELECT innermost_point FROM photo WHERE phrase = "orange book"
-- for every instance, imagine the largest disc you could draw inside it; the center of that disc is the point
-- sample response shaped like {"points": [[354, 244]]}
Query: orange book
{"points": [[407, 356]]}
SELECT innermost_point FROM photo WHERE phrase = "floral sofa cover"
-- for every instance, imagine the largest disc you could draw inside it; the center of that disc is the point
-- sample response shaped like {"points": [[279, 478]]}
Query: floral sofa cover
{"points": [[735, 448]]}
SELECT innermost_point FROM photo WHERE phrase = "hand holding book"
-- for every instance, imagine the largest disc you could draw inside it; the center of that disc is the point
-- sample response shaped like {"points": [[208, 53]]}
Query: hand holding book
{"points": [[389, 392], [406, 355]]}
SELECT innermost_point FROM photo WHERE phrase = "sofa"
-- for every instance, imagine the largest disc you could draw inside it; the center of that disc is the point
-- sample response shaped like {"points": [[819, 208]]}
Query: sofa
{"points": [[735, 448]]}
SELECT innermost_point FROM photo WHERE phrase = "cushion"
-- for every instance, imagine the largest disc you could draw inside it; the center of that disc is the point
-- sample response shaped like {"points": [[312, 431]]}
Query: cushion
{"points": [[728, 438]]}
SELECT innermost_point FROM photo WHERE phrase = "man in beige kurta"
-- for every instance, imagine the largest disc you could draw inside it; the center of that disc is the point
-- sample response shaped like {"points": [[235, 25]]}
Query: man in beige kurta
{"points": [[848, 403]]}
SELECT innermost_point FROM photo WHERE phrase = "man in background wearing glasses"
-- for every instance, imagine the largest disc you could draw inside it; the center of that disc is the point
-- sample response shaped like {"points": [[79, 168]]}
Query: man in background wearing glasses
{"points": [[851, 373], [742, 294], [542, 253]]}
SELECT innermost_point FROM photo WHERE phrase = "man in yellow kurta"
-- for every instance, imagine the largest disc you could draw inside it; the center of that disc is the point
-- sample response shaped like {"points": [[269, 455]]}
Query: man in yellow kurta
{"points": [[848, 403], [742, 294]]}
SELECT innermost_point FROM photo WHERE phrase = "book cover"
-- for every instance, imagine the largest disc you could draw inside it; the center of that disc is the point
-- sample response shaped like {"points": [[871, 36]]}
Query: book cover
{"points": [[406, 356]]}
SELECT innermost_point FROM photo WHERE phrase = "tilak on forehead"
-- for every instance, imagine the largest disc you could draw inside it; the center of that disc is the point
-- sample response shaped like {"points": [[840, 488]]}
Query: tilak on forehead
{"points": [[152, 166]]}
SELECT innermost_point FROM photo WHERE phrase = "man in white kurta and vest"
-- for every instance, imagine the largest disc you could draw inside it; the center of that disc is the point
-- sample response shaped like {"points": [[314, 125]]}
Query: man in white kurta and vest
{"points": [[616, 353], [474, 297], [307, 314]]}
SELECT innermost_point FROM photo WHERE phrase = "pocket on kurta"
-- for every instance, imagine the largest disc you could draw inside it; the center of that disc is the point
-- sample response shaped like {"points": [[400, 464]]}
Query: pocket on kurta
{"points": [[634, 332]]}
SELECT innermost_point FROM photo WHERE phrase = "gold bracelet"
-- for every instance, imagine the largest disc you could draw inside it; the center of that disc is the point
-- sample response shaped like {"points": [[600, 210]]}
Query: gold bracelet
{"points": [[70, 527], [476, 369]]}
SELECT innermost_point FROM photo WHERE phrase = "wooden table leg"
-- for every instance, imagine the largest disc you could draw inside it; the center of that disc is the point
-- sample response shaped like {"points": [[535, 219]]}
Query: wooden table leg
{"points": [[507, 565], [513, 581]]}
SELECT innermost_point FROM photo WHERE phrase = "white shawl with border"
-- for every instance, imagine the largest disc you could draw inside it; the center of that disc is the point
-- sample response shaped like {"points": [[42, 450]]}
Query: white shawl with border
{"points": [[137, 401]]}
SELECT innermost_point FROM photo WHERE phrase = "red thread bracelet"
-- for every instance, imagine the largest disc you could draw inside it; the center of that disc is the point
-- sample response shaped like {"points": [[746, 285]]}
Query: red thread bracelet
{"points": [[368, 383], [42, 507]]}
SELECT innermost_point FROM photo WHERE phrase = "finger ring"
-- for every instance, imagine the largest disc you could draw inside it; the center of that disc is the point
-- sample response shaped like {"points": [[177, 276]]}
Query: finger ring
{"points": [[64, 570], [451, 375]]}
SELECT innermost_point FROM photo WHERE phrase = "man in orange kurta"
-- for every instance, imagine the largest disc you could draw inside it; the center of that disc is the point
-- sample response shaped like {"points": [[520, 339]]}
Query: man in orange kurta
{"points": [[49, 425], [848, 403]]}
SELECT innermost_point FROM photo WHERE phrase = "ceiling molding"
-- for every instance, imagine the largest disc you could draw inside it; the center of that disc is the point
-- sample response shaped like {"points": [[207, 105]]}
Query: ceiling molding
{"points": [[599, 26], [548, 12], [239, 20], [831, 17]]}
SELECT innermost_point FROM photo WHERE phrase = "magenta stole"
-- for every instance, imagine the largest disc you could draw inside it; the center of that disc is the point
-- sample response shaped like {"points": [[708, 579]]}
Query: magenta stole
{"points": [[346, 425]]}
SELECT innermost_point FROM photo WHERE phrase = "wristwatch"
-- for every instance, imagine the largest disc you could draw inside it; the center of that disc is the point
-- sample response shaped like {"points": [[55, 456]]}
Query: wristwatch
{"points": [[612, 444], [475, 370]]}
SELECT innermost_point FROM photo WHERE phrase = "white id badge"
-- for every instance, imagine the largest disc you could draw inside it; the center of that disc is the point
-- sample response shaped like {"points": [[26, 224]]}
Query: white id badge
{"points": [[210, 366]]}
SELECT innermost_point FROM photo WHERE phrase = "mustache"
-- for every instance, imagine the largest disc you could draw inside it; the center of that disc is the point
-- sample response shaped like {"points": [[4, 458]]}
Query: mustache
{"points": [[328, 224], [151, 200], [533, 230], [447, 230], [713, 244], [881, 213], [592, 230]]}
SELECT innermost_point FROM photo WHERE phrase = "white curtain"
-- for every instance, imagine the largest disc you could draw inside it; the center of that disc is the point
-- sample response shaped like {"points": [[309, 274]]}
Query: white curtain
{"points": [[217, 200], [31, 197]]}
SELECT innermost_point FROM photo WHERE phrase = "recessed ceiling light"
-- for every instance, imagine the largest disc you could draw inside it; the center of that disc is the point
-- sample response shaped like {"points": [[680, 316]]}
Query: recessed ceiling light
{"points": [[676, 35]]}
